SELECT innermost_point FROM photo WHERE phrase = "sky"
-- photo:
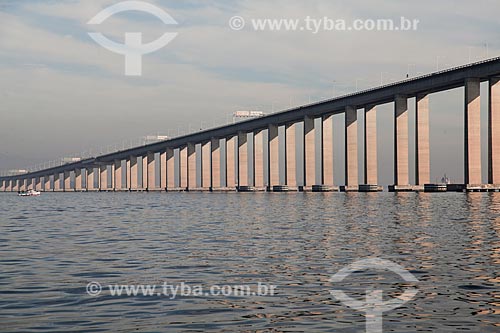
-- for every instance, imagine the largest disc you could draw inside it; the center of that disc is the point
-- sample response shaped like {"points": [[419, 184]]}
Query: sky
{"points": [[63, 94]]}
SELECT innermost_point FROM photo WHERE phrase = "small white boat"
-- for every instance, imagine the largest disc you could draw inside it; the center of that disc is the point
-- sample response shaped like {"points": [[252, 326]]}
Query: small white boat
{"points": [[30, 193]]}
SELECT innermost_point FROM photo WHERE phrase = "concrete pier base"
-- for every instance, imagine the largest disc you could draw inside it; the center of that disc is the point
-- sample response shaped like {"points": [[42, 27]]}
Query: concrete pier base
{"points": [[370, 188], [223, 189], [429, 188], [322, 188], [406, 188], [284, 188], [244, 188], [176, 189], [473, 188], [354, 188]]}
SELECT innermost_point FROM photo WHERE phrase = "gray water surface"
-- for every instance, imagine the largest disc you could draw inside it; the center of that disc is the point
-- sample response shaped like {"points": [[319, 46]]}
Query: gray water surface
{"points": [[52, 246]]}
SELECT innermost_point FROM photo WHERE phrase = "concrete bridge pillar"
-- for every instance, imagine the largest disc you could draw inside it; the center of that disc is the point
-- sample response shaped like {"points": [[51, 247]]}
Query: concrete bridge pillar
{"points": [[206, 165], [191, 166], [327, 150], [38, 183], [472, 135], [183, 168], [242, 159], [3, 184], [216, 163], [231, 162], [149, 172], [170, 169], [47, 186], [29, 183], [57, 182], [422, 147], [90, 181], [494, 132], [163, 170], [103, 177], [67, 181], [291, 156], [117, 175], [258, 160], [273, 158], [309, 153], [133, 173], [78, 180], [401, 177], [351, 149], [370, 136]]}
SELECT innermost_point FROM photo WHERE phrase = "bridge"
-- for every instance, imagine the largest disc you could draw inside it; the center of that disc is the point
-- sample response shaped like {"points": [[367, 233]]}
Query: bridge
{"points": [[218, 159]]}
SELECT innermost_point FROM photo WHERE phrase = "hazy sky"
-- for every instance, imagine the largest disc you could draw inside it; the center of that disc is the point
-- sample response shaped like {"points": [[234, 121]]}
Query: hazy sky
{"points": [[61, 93]]}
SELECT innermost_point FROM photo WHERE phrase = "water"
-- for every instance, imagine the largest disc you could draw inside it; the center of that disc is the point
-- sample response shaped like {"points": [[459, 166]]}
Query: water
{"points": [[51, 247]]}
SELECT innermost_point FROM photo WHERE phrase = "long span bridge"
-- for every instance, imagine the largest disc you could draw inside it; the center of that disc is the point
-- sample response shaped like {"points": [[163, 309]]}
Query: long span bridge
{"points": [[223, 159]]}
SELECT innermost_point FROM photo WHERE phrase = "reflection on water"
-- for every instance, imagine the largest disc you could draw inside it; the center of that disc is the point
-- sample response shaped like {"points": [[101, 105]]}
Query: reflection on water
{"points": [[52, 246]]}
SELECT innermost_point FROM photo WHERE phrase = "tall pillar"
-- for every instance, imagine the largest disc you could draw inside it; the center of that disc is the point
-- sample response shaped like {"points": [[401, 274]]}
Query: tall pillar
{"points": [[47, 186], [327, 150], [370, 136], [401, 141], [258, 159], [230, 162], [133, 173], [57, 182], [206, 165], [145, 172], [163, 170], [103, 177], [183, 167], [90, 181], [422, 145], [191, 166], [170, 169], [472, 135], [150, 176], [23, 184], [291, 159], [242, 159], [216, 165], [309, 152], [78, 180], [67, 181], [29, 183], [494, 132], [2, 185], [117, 175], [351, 147], [273, 158]]}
